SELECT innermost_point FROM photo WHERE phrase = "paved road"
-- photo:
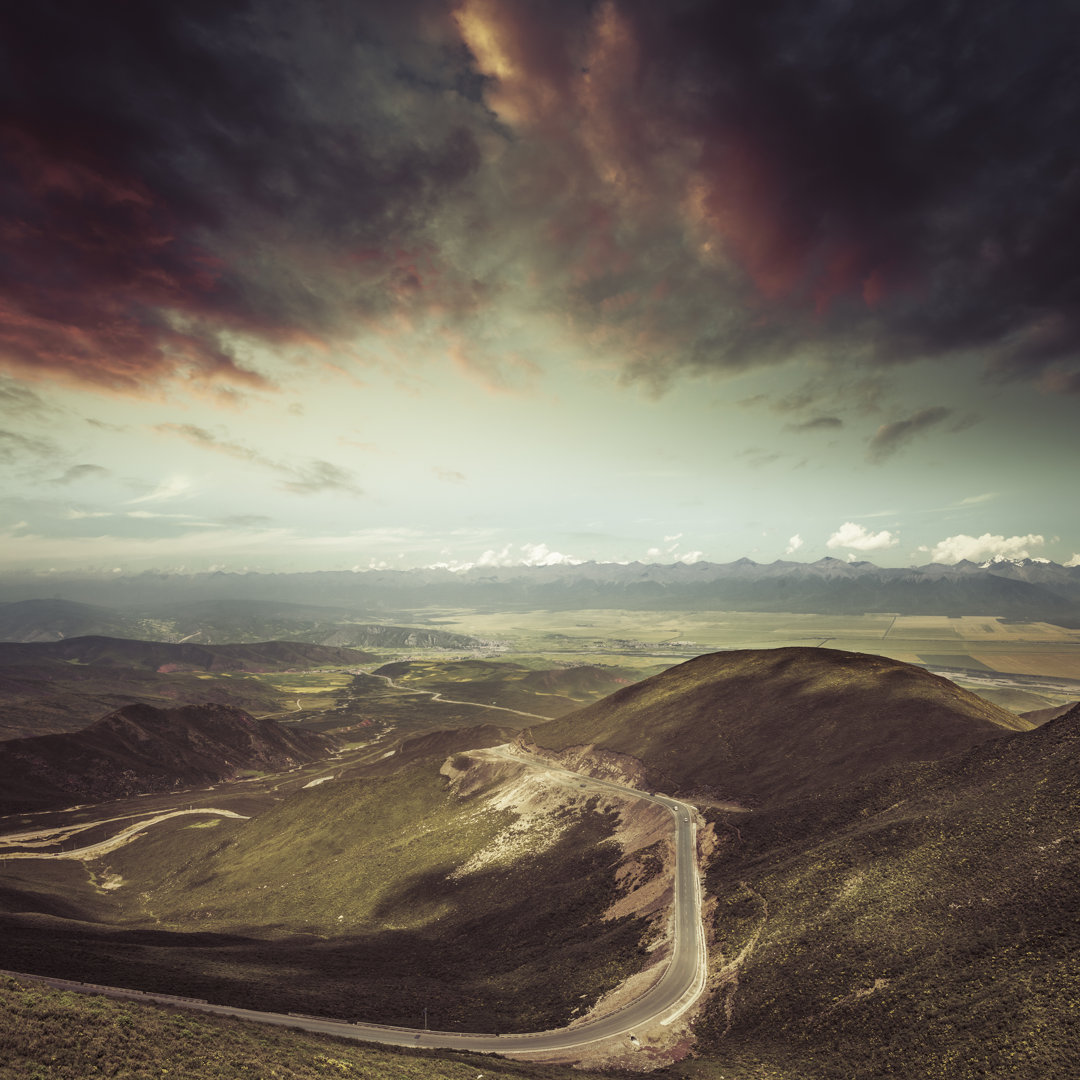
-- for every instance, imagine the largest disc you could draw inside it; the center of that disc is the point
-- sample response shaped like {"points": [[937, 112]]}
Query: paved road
{"points": [[679, 987], [435, 696]]}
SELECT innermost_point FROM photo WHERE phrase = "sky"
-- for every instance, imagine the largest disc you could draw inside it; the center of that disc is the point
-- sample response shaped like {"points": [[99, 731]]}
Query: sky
{"points": [[343, 285]]}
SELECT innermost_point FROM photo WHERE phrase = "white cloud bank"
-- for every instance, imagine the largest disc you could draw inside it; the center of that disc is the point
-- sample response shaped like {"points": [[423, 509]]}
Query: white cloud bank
{"points": [[980, 548], [527, 555], [1074, 561], [793, 544], [850, 535]]}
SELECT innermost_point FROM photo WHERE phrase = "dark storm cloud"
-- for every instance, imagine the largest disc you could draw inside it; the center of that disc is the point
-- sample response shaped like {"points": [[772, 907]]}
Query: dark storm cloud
{"points": [[890, 438], [731, 184], [697, 186], [178, 172]]}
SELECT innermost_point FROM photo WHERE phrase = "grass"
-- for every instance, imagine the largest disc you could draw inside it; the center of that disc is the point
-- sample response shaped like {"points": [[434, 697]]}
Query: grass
{"points": [[50, 1035], [343, 900]]}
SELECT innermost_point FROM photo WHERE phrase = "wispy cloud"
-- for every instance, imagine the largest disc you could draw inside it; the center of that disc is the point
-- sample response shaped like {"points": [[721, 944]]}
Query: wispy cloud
{"points": [[317, 476], [81, 472], [15, 446], [818, 423], [891, 438], [305, 478], [74, 514], [172, 488]]}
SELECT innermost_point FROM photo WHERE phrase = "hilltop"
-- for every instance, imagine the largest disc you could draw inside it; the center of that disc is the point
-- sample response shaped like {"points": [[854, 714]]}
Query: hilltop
{"points": [[922, 923], [139, 748], [766, 725]]}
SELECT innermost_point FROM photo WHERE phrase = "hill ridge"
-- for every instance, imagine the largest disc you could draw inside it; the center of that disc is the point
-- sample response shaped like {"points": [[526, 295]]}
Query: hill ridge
{"points": [[757, 725]]}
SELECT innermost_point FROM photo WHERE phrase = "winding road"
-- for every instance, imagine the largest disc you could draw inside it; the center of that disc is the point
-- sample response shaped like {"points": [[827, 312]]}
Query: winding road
{"points": [[664, 1002], [437, 696]]}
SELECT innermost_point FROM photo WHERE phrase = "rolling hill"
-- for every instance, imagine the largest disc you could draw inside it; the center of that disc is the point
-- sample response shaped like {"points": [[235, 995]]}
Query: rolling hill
{"points": [[140, 748], [60, 686], [767, 725]]}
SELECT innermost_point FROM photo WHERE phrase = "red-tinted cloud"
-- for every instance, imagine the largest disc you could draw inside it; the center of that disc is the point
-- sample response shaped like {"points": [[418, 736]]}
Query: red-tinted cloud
{"points": [[690, 186]]}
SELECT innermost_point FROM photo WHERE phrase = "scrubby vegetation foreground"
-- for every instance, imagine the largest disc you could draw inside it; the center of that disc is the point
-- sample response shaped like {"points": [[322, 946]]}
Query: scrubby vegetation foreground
{"points": [[921, 925], [50, 1035]]}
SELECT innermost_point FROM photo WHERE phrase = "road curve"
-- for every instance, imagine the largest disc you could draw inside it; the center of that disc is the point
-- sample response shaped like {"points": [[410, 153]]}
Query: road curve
{"points": [[437, 696], [679, 987]]}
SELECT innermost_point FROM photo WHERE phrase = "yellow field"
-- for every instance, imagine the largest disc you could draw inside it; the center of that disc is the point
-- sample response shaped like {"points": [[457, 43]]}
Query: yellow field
{"points": [[978, 628], [1062, 665]]}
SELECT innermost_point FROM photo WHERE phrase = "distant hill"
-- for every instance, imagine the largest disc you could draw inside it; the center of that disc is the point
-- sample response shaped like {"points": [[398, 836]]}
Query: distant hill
{"points": [[924, 922], [139, 748], [166, 656], [1020, 589], [766, 725], [1041, 716], [54, 620], [216, 621]]}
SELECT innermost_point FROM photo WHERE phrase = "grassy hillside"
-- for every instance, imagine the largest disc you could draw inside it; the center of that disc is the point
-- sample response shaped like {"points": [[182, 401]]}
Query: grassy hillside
{"points": [[365, 899], [139, 748], [51, 1035], [923, 924], [764, 725]]}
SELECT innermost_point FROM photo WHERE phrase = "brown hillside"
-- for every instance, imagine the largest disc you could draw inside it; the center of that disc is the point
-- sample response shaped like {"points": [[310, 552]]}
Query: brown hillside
{"points": [[766, 725], [140, 748], [924, 922]]}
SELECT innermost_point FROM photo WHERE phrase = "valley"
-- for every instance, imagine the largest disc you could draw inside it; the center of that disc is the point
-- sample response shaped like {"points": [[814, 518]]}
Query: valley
{"points": [[484, 844]]}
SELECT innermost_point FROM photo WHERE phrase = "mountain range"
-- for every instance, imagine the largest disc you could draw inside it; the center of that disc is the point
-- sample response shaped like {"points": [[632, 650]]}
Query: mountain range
{"points": [[1023, 589]]}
